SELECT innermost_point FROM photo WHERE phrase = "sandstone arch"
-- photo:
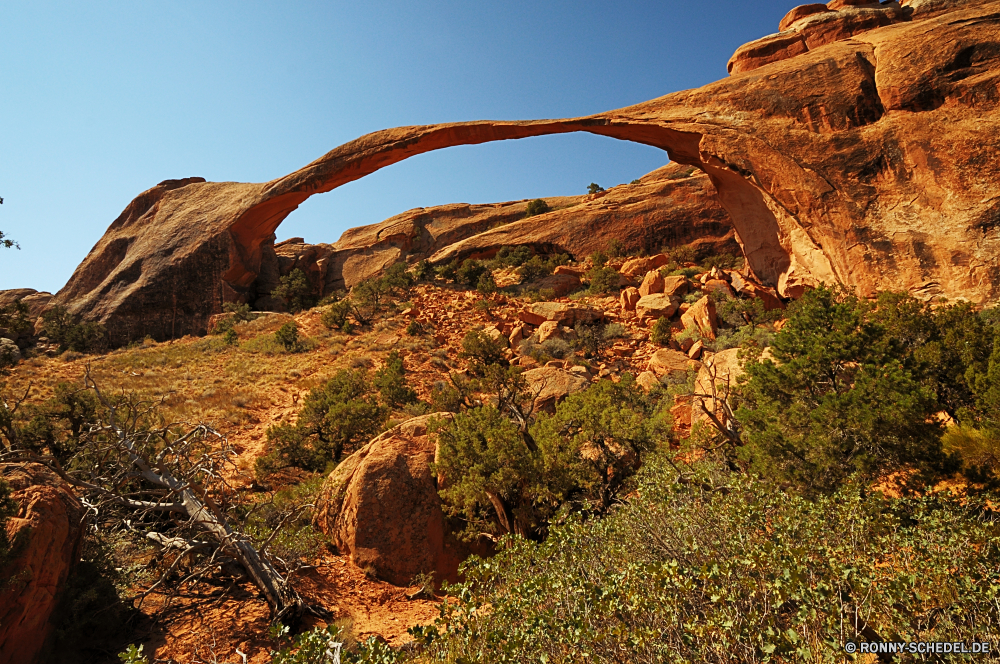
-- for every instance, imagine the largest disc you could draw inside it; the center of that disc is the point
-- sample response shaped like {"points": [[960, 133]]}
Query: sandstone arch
{"points": [[855, 162]]}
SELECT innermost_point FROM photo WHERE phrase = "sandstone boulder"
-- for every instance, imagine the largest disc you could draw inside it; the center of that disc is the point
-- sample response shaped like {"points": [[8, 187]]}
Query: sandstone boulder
{"points": [[666, 361], [559, 284], [381, 508], [799, 13], [651, 284], [647, 380], [701, 317], [564, 314], [47, 535], [552, 384], [720, 285], [628, 298], [657, 306], [553, 330], [635, 267], [678, 285]]}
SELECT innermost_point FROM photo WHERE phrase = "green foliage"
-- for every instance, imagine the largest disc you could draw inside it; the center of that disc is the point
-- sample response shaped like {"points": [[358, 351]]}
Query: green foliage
{"points": [[7, 243], [14, 318], [288, 336], [469, 272], [486, 285], [133, 655], [397, 280], [636, 181], [603, 280], [445, 398], [539, 266], [336, 315], [687, 573], [593, 339], [390, 381], [369, 300], [53, 427], [616, 249], [326, 645], [285, 525], [661, 332], [722, 261], [447, 271], [512, 256], [66, 330], [482, 351], [295, 290], [337, 417], [414, 329], [537, 206], [841, 397], [424, 271], [599, 258], [593, 188], [493, 482]]}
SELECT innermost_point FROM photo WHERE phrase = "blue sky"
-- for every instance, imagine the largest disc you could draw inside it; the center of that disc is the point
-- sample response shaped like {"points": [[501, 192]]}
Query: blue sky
{"points": [[101, 101]]}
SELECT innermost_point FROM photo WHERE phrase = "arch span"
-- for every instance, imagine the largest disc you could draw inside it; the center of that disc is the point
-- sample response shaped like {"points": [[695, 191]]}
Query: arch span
{"points": [[830, 164]]}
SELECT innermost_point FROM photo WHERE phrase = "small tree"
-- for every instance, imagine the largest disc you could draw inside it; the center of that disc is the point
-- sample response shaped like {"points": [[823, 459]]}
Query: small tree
{"points": [[594, 188], [296, 291], [288, 336], [537, 206], [390, 381]]}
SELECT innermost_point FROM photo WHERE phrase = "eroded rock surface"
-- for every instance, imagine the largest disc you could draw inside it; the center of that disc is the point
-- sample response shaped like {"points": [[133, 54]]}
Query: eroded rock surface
{"points": [[868, 159], [46, 536]]}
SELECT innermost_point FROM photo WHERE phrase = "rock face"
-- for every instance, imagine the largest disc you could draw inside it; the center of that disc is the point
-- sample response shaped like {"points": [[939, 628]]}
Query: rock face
{"points": [[868, 161], [46, 534], [657, 305], [667, 361], [552, 384], [381, 507]]}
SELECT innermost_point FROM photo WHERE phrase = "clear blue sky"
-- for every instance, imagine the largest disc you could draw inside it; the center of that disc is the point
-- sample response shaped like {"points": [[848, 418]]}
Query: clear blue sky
{"points": [[102, 100]]}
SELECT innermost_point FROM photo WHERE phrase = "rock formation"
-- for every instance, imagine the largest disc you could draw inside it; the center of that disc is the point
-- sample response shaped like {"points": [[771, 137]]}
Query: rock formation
{"points": [[381, 508], [868, 159], [46, 536]]}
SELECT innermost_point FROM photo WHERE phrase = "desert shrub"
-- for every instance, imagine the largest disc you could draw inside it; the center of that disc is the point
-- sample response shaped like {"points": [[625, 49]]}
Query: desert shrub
{"points": [[486, 285], [661, 332], [591, 340], [687, 572], [414, 329], [397, 280], [722, 262], [559, 349], [288, 336], [481, 350], [494, 482], [683, 254], [369, 300], [447, 271], [603, 280], [336, 417], [336, 315], [445, 398], [66, 330], [978, 451], [14, 318], [295, 291], [594, 188], [537, 206], [325, 645], [52, 427], [841, 398], [512, 256], [280, 521], [616, 248], [390, 381], [423, 271], [636, 181], [539, 266], [599, 258], [231, 338]]}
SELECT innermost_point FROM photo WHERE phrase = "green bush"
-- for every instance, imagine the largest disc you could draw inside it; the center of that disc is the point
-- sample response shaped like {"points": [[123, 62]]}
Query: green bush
{"points": [[414, 329], [369, 300], [599, 258], [603, 280], [537, 206], [337, 417], [447, 271], [336, 314], [539, 266], [390, 381], [486, 285], [469, 272], [481, 350], [723, 569], [52, 427], [14, 318], [616, 249], [295, 290], [397, 280], [288, 336], [512, 256], [424, 271], [594, 188], [661, 332], [66, 330], [841, 397]]}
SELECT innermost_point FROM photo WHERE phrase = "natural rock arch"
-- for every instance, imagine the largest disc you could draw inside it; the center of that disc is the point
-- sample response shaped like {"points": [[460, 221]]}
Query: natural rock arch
{"points": [[857, 162]]}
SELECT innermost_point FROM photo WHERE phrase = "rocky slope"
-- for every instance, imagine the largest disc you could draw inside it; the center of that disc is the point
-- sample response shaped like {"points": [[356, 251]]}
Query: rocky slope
{"points": [[669, 207], [868, 160]]}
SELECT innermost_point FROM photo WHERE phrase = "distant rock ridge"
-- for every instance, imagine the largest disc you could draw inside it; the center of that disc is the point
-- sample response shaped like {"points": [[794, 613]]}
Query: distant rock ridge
{"points": [[868, 160]]}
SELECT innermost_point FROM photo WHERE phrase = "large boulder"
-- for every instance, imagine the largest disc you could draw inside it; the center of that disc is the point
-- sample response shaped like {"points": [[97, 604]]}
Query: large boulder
{"points": [[657, 306], [635, 267], [701, 318], [665, 362], [862, 153], [47, 535], [550, 385], [651, 283], [381, 508], [563, 314]]}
